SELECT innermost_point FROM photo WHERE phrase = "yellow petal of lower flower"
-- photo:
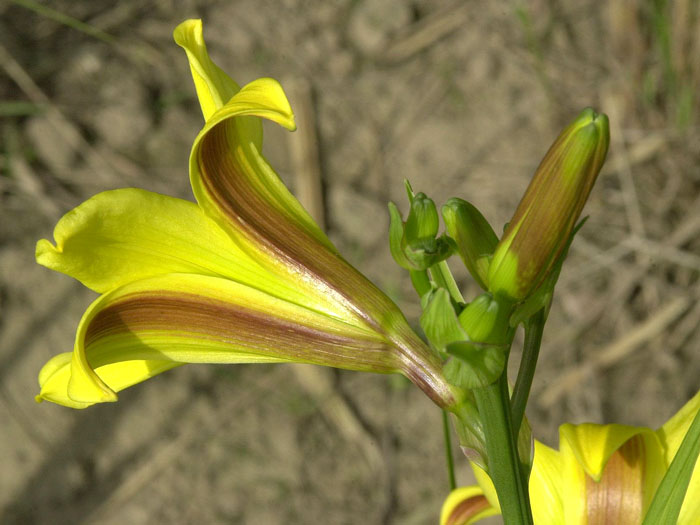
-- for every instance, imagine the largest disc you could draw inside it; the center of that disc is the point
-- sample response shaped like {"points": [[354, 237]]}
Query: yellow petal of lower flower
{"points": [[611, 472], [546, 485], [673, 431], [487, 486], [465, 505], [185, 318], [214, 87], [593, 444]]}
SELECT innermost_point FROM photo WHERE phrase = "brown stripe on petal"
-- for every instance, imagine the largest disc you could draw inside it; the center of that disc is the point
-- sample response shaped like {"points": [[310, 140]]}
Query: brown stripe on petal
{"points": [[618, 497], [549, 210], [467, 509], [244, 329], [423, 368], [249, 208]]}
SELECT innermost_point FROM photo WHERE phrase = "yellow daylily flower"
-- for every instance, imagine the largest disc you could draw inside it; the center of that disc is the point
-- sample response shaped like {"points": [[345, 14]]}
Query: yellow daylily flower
{"points": [[243, 276], [603, 474]]}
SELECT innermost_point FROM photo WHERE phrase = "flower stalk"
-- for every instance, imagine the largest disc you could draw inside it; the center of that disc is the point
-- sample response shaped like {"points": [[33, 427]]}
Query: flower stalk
{"points": [[504, 466], [534, 327]]}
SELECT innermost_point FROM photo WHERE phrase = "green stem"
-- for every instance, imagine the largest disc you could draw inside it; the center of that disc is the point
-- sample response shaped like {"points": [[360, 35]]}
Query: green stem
{"points": [[443, 277], [448, 450], [501, 448], [420, 281], [531, 351]]}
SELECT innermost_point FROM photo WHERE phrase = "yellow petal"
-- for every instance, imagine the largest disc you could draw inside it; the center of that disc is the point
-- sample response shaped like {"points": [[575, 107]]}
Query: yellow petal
{"points": [[227, 168], [185, 318], [465, 505], [55, 376], [610, 471], [573, 488], [546, 485], [673, 431], [121, 236], [487, 486], [236, 187], [214, 87], [593, 444], [690, 511]]}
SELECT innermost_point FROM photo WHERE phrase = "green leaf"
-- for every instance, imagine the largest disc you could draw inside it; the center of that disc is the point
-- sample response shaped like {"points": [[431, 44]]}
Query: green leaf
{"points": [[668, 500]]}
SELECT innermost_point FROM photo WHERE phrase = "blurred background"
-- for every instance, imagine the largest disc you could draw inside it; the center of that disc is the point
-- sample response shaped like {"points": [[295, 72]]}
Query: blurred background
{"points": [[462, 99]]}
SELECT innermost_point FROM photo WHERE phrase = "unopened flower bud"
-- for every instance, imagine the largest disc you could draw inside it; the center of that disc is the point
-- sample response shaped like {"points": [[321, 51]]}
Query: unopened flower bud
{"points": [[548, 211], [473, 235], [480, 359], [422, 219]]}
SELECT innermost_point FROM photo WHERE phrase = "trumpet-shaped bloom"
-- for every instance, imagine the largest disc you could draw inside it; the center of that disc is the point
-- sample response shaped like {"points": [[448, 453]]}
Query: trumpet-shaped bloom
{"points": [[600, 474], [243, 276]]}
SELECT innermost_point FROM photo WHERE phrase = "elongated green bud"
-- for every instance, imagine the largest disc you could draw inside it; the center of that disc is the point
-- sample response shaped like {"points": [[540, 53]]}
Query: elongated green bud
{"points": [[422, 219], [548, 211], [474, 236]]}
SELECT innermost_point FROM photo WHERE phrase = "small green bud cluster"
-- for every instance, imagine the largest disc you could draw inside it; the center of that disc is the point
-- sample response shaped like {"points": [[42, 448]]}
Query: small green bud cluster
{"points": [[414, 244], [517, 273]]}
